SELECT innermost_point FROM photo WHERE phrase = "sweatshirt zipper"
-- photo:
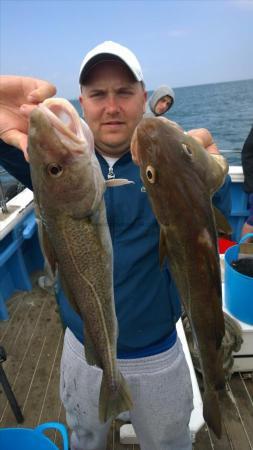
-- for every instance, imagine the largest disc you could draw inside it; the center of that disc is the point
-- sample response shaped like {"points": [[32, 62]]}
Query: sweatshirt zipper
{"points": [[110, 174]]}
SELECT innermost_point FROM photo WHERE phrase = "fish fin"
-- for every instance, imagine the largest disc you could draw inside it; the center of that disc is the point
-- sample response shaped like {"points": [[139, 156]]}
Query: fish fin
{"points": [[91, 355], [117, 182], [222, 225], [211, 412], [112, 403], [162, 247]]}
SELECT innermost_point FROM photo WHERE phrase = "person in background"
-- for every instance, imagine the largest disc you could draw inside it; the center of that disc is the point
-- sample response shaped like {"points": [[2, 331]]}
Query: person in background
{"points": [[160, 101], [150, 355], [247, 166]]}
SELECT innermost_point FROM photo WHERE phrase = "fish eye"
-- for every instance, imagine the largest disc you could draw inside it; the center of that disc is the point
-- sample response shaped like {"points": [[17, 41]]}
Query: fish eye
{"points": [[54, 169], [187, 150], [151, 174]]}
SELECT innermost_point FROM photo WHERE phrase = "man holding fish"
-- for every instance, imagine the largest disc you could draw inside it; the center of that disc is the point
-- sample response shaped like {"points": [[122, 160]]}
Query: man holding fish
{"points": [[149, 354]]}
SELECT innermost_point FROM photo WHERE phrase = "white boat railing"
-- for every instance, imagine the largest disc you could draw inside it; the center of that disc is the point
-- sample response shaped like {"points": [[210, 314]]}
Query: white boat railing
{"points": [[236, 174], [18, 207]]}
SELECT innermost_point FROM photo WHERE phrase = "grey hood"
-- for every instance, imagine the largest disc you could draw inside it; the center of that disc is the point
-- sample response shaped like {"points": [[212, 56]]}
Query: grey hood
{"points": [[157, 94]]}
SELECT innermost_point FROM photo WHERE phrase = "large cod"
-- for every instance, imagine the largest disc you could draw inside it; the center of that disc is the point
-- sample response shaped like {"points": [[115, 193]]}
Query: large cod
{"points": [[180, 178], [68, 188]]}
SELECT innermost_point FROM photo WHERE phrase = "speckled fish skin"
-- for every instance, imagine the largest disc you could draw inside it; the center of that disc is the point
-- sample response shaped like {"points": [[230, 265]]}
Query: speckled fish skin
{"points": [[180, 178], [68, 186]]}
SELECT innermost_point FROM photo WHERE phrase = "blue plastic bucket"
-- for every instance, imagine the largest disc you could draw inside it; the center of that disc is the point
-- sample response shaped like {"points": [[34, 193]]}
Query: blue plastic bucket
{"points": [[238, 287], [31, 439]]}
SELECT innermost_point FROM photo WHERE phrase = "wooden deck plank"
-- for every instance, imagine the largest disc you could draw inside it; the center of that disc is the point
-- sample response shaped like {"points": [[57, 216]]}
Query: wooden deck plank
{"points": [[206, 438], [16, 343], [51, 405], [33, 340], [16, 304], [8, 328], [202, 440], [232, 424], [244, 404], [248, 384], [11, 306], [34, 403], [235, 429], [23, 359], [62, 419]]}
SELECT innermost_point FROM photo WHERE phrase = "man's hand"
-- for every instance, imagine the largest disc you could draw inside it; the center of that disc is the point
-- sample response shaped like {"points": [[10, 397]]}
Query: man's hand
{"points": [[247, 228], [18, 97], [204, 137]]}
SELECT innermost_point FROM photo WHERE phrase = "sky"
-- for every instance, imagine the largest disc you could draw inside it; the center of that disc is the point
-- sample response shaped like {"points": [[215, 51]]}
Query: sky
{"points": [[178, 42]]}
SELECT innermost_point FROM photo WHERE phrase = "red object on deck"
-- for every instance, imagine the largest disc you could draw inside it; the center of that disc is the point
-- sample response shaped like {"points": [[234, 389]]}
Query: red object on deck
{"points": [[224, 244]]}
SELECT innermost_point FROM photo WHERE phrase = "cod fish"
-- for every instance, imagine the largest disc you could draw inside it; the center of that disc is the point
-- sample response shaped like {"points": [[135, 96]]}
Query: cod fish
{"points": [[180, 178], [68, 188]]}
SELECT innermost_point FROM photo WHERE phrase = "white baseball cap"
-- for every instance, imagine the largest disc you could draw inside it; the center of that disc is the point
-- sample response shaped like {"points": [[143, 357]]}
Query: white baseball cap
{"points": [[110, 50]]}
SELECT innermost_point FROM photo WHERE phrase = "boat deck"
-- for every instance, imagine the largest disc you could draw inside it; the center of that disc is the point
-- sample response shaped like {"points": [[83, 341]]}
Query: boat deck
{"points": [[33, 339]]}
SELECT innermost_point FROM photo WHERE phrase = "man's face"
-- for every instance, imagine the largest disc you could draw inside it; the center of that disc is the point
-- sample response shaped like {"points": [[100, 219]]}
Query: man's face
{"points": [[113, 103], [163, 104]]}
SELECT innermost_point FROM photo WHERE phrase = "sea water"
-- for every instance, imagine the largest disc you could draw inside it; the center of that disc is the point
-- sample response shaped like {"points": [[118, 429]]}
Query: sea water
{"points": [[225, 109]]}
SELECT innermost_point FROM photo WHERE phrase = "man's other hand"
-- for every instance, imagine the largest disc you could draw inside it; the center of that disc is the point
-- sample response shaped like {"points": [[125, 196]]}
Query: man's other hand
{"points": [[18, 97]]}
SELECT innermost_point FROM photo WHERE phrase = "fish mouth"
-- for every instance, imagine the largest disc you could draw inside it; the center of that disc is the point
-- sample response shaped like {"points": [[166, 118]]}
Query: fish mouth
{"points": [[136, 150], [66, 122], [62, 118]]}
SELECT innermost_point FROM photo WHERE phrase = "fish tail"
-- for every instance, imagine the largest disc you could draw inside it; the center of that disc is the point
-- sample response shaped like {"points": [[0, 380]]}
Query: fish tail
{"points": [[211, 412], [113, 402]]}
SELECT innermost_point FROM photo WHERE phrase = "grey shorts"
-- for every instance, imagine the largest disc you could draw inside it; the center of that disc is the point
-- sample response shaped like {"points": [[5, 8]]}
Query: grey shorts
{"points": [[161, 390]]}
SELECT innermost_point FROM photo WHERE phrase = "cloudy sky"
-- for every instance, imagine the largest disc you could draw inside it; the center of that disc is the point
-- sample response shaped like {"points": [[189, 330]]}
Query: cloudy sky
{"points": [[180, 43]]}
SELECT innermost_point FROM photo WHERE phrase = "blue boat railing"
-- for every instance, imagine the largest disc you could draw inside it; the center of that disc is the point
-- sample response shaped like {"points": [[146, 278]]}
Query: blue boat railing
{"points": [[20, 255]]}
